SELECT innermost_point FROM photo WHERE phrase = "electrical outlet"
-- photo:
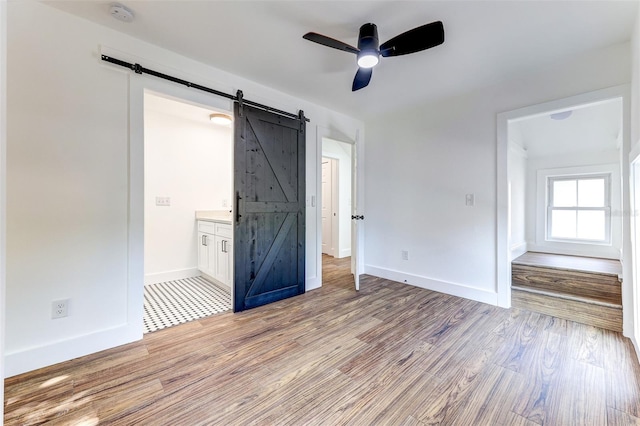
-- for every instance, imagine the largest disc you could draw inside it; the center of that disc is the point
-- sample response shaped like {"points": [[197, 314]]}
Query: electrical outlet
{"points": [[59, 308], [405, 255], [225, 202], [163, 201]]}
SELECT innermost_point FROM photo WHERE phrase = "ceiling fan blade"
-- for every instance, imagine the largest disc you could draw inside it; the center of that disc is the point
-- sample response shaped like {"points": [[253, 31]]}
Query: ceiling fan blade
{"points": [[362, 79], [415, 40], [329, 42]]}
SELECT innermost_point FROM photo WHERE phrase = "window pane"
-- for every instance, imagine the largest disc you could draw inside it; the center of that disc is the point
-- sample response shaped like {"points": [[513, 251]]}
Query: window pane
{"points": [[591, 192], [591, 225], [564, 193], [563, 223]]}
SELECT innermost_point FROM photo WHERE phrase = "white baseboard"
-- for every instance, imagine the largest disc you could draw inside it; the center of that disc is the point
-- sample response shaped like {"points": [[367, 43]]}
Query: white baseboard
{"points": [[42, 356], [518, 250], [178, 274], [453, 289], [312, 283], [344, 253], [215, 281]]}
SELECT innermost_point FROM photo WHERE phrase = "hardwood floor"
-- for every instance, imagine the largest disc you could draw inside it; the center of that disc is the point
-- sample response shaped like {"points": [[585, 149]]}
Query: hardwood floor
{"points": [[389, 354], [597, 287], [570, 263], [582, 289]]}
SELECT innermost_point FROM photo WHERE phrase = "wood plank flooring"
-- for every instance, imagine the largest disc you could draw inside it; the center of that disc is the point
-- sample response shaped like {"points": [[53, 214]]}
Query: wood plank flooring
{"points": [[389, 354], [582, 289], [603, 316], [597, 287], [570, 263]]}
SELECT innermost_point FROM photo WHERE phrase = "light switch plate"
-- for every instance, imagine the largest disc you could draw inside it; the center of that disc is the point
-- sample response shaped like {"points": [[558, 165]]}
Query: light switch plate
{"points": [[469, 200]]}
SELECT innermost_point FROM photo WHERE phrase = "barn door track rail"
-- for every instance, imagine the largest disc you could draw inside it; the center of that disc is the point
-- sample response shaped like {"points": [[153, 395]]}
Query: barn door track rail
{"points": [[139, 69]]}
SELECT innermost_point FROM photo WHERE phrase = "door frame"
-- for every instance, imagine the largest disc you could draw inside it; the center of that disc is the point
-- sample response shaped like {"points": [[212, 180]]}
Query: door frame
{"points": [[3, 190], [634, 182], [357, 173], [503, 264]]}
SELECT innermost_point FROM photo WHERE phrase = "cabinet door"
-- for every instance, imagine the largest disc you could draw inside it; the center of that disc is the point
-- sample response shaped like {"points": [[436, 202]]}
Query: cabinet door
{"points": [[207, 254], [203, 252], [222, 260], [229, 261], [211, 255]]}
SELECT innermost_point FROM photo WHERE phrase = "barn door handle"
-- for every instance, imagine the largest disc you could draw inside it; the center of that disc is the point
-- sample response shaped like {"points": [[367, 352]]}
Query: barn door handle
{"points": [[238, 198]]}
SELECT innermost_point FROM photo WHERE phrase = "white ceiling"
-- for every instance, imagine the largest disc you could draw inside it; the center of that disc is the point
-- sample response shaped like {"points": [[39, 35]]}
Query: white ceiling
{"points": [[485, 42], [591, 128], [162, 105]]}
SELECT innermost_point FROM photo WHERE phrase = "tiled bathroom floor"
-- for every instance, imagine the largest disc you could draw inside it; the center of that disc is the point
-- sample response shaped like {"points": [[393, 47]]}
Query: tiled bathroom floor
{"points": [[175, 302]]}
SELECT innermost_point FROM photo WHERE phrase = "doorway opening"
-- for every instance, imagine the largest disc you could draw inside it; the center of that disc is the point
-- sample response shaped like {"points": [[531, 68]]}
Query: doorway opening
{"points": [[561, 194], [188, 246], [635, 243], [337, 207]]}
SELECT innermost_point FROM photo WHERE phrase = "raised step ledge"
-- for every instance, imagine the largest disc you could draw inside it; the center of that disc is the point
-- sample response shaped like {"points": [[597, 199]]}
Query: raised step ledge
{"points": [[564, 268], [567, 297]]}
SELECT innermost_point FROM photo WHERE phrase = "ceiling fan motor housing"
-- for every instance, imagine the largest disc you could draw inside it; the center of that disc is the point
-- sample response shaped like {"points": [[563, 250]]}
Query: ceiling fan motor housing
{"points": [[368, 39]]}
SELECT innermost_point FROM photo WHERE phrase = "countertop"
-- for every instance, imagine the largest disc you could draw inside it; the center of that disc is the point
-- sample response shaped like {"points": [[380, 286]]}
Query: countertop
{"points": [[221, 216]]}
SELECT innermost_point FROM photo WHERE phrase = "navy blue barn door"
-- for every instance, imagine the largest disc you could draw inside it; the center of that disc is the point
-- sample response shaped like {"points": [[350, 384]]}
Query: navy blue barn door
{"points": [[269, 230]]}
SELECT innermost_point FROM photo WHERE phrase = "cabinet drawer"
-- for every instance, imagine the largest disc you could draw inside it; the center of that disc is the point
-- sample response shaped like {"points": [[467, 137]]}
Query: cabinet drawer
{"points": [[207, 227], [224, 230]]}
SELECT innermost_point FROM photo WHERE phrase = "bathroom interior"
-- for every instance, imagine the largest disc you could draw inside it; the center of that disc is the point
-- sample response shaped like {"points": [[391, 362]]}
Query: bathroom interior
{"points": [[188, 234]]}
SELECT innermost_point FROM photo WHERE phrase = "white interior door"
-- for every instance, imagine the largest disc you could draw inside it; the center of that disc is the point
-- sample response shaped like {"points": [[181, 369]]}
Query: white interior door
{"points": [[327, 207], [635, 242], [355, 224]]}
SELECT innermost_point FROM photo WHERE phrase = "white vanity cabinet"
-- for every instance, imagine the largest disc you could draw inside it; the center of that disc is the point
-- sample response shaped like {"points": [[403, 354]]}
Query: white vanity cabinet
{"points": [[224, 248], [215, 251]]}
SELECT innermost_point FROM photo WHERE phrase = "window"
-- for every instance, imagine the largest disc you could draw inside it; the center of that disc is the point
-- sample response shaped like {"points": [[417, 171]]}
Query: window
{"points": [[579, 208]]}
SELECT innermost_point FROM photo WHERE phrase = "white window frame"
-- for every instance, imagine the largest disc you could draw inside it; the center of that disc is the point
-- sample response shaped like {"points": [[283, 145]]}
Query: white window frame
{"points": [[537, 233], [606, 209]]}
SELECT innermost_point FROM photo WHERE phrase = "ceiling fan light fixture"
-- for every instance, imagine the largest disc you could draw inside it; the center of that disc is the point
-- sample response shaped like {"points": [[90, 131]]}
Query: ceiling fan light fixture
{"points": [[369, 49], [221, 119], [368, 59]]}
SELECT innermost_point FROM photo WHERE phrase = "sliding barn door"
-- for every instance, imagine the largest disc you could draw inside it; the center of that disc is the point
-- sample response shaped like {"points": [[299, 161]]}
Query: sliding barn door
{"points": [[269, 231]]}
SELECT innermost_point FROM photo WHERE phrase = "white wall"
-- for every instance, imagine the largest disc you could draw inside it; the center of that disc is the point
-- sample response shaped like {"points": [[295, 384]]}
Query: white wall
{"points": [[517, 158], [3, 165], [342, 152], [422, 161], [189, 161], [635, 84], [635, 143], [71, 233]]}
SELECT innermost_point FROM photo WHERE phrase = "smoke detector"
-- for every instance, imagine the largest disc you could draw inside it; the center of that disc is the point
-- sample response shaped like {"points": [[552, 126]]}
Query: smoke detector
{"points": [[121, 13], [561, 115]]}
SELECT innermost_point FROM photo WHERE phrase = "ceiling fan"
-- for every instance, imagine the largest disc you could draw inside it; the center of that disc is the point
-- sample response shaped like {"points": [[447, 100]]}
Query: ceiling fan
{"points": [[369, 52]]}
